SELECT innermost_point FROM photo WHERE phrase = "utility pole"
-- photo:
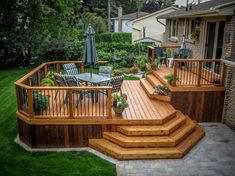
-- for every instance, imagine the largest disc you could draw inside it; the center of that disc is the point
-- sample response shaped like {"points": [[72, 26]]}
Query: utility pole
{"points": [[109, 15], [119, 19]]}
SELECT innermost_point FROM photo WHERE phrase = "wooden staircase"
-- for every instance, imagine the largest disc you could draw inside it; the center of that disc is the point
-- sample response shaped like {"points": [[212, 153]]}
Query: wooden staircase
{"points": [[150, 82], [173, 139]]}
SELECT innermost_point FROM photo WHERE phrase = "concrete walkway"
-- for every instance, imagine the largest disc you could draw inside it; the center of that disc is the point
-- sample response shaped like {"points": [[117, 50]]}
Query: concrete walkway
{"points": [[213, 155]]}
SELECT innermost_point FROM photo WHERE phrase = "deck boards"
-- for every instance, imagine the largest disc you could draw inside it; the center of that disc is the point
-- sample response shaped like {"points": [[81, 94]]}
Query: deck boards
{"points": [[141, 107]]}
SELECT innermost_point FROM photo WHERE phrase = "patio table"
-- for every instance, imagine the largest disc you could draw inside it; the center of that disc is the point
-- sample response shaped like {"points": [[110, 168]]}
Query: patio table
{"points": [[94, 80]]}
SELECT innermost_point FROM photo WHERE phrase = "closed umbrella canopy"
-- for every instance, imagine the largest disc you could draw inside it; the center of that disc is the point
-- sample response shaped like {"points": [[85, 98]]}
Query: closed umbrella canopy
{"points": [[90, 55]]}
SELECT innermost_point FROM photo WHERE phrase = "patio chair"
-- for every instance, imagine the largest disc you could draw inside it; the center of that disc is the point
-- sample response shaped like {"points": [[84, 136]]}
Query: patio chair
{"points": [[71, 81], [116, 83], [59, 81], [70, 69], [160, 55], [105, 71], [184, 53]]}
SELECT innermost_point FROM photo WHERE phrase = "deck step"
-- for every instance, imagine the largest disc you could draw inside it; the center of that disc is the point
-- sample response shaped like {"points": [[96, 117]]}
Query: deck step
{"points": [[152, 130], [147, 87], [152, 141], [153, 80], [122, 153]]}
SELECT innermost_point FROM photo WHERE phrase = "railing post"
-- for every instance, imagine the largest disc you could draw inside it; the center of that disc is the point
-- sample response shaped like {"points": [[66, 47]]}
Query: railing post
{"points": [[153, 56], [58, 67], [82, 68], [70, 99], [45, 70], [38, 78], [199, 74], [175, 73], [223, 73], [109, 110], [17, 97], [30, 103]]}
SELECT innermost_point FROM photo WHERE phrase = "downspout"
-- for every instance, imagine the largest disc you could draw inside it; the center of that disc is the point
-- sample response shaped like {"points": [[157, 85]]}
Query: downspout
{"points": [[160, 22]]}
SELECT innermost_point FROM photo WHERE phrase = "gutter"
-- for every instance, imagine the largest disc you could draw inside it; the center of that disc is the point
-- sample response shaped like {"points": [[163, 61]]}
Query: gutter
{"points": [[160, 21]]}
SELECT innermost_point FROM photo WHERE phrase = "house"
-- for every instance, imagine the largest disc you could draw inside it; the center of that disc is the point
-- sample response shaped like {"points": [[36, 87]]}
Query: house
{"points": [[209, 31], [126, 18], [149, 28]]}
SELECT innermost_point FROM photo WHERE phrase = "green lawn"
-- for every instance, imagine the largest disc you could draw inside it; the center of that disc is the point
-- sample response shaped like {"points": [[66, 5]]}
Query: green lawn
{"points": [[16, 161]]}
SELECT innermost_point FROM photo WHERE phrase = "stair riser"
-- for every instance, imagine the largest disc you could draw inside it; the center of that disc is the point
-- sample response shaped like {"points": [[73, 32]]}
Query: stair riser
{"points": [[151, 81], [168, 143], [163, 98], [146, 90], [187, 133]]}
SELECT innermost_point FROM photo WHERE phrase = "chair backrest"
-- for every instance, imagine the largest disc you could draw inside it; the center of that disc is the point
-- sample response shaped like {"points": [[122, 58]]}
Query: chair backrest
{"points": [[60, 79], [105, 71], [184, 53], [158, 51], [116, 83], [71, 81], [70, 69]]}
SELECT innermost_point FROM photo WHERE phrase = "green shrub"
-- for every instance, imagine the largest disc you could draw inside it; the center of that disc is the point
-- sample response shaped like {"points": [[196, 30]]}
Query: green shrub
{"points": [[162, 90], [40, 101], [141, 62]]}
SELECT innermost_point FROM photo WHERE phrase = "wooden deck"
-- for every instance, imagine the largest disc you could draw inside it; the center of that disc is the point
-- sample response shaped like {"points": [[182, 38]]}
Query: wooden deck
{"points": [[141, 107]]}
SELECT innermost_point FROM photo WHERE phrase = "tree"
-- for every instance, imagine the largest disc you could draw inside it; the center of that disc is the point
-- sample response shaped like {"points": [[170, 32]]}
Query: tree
{"points": [[154, 5]]}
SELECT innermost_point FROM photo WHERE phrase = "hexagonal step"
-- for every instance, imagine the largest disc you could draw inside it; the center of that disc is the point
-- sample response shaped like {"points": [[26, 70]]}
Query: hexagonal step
{"points": [[152, 130], [152, 141], [153, 80]]}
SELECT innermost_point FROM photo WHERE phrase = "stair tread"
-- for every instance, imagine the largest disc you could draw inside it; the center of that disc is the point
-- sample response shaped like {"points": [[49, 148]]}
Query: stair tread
{"points": [[133, 153], [151, 141], [153, 80], [164, 129], [147, 86]]}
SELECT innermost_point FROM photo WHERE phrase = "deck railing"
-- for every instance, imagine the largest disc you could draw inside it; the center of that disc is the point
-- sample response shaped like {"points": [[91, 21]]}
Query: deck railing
{"points": [[37, 102], [198, 72]]}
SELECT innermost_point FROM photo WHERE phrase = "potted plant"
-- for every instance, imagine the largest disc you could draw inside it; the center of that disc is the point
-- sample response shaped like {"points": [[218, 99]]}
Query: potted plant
{"points": [[49, 80], [169, 77], [119, 103], [162, 90]]}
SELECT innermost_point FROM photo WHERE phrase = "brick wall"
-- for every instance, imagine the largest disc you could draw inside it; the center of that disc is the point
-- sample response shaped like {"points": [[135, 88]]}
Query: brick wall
{"points": [[194, 45], [229, 53]]}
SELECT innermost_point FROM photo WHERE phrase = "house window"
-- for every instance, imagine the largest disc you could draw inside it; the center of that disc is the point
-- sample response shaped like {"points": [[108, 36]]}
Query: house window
{"points": [[174, 28], [190, 28]]}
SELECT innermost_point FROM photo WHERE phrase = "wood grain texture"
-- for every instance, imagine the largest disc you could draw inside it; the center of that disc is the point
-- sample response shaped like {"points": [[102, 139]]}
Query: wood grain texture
{"points": [[200, 106]]}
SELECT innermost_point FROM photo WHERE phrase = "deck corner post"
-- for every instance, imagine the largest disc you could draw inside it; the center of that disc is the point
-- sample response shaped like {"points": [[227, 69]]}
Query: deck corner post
{"points": [[45, 69], [30, 103], [58, 67], [223, 74]]}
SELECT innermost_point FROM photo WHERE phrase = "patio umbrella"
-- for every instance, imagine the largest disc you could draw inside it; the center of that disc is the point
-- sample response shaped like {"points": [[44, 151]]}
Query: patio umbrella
{"points": [[89, 55]]}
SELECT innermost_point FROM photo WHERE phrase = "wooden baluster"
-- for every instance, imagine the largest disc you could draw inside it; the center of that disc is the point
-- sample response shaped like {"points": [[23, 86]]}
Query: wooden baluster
{"points": [[175, 73], [153, 56], [223, 74], [30, 103], [109, 110], [199, 74], [70, 100], [82, 68]]}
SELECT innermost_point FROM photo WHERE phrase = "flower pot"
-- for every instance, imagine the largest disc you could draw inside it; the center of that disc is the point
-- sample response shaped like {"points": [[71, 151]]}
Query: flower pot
{"points": [[117, 110]]}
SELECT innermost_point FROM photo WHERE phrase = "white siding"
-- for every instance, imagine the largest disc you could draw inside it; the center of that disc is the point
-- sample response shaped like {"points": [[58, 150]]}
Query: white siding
{"points": [[125, 28]]}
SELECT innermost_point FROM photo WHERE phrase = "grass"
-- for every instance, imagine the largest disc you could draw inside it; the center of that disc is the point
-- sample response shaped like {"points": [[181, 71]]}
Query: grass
{"points": [[131, 78], [16, 161]]}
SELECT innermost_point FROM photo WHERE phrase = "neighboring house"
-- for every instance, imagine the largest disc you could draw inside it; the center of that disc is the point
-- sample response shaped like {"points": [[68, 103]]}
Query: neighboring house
{"points": [[149, 28], [126, 18], [209, 30]]}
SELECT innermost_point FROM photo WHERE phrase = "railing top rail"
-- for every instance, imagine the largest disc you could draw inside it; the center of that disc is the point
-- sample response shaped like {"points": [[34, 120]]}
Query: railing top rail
{"points": [[198, 60], [18, 82]]}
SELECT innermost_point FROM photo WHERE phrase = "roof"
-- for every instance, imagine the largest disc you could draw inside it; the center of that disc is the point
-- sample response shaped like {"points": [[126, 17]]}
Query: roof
{"points": [[159, 12], [204, 8], [132, 16], [148, 39]]}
